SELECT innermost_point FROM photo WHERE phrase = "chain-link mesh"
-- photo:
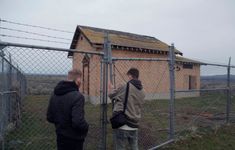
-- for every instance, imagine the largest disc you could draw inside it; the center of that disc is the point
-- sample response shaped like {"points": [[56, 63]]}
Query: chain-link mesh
{"points": [[12, 90], [154, 76], [42, 69], [29, 75], [201, 103], [232, 82]]}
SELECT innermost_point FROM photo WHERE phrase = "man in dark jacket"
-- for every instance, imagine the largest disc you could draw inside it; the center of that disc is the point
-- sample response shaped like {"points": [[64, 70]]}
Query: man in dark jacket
{"points": [[66, 111], [129, 131]]}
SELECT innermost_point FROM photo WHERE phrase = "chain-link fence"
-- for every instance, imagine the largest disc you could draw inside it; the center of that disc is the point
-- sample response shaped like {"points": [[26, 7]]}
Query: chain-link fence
{"points": [[42, 69], [154, 75], [12, 91], [232, 84], [206, 106], [182, 97]]}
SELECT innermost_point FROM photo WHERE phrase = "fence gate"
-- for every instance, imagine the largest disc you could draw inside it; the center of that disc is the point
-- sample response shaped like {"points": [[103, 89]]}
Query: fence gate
{"points": [[154, 75]]}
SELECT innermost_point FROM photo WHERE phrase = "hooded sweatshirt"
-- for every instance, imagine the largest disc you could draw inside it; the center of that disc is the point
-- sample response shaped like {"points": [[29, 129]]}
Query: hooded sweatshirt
{"points": [[66, 111], [134, 103]]}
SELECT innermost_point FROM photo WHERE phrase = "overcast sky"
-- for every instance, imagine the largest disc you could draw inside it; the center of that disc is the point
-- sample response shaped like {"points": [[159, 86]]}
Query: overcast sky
{"points": [[201, 29]]}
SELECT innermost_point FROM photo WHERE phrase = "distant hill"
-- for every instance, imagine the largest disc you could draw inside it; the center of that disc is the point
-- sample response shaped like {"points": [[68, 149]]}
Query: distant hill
{"points": [[218, 78], [216, 81], [42, 84]]}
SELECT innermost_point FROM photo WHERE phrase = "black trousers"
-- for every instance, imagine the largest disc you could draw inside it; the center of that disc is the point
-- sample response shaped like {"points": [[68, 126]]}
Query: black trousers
{"points": [[64, 143]]}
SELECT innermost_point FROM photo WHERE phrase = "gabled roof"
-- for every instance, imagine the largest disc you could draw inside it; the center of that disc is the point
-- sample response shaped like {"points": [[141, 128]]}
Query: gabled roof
{"points": [[122, 39]]}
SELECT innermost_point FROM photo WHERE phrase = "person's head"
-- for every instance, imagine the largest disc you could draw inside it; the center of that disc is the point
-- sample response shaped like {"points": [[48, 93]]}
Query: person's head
{"points": [[133, 73], [75, 75]]}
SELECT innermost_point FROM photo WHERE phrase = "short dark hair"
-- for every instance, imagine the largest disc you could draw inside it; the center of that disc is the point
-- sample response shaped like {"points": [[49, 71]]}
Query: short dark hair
{"points": [[134, 72]]}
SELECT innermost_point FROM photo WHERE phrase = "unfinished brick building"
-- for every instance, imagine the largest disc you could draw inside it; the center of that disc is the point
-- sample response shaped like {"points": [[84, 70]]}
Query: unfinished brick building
{"points": [[154, 75]]}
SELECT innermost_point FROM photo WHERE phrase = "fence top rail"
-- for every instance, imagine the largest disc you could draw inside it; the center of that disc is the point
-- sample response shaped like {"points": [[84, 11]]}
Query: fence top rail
{"points": [[48, 48], [98, 53], [139, 59], [219, 65], [165, 59]]}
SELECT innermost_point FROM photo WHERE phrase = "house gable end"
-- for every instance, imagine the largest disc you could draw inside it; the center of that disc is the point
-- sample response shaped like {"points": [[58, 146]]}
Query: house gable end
{"points": [[77, 39]]}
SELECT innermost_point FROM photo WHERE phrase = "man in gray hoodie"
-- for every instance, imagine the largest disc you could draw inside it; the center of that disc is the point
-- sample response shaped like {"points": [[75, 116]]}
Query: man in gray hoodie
{"points": [[129, 131]]}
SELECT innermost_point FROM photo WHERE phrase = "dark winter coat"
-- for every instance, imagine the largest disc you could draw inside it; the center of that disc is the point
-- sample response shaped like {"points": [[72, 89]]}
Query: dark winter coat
{"points": [[66, 111]]}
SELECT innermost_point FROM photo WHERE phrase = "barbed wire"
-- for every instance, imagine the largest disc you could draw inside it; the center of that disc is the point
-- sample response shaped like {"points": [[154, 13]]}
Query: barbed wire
{"points": [[34, 26], [34, 33], [35, 39]]}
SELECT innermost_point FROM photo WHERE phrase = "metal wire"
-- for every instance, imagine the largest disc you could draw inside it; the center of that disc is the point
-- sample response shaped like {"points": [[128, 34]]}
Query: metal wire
{"points": [[35, 39], [34, 33], [35, 26]]}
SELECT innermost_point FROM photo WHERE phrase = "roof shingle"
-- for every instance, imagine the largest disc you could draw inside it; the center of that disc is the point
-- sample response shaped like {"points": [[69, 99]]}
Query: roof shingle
{"points": [[118, 38]]}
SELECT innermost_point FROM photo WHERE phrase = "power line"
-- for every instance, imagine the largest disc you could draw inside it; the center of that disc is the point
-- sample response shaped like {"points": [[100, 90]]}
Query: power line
{"points": [[34, 33], [35, 39], [35, 26]]}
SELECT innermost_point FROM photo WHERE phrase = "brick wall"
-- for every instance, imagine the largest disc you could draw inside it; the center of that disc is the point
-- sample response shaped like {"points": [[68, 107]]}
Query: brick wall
{"points": [[154, 75]]}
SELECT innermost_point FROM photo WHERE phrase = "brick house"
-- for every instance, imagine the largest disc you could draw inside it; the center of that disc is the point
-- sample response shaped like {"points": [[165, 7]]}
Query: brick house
{"points": [[154, 75]]}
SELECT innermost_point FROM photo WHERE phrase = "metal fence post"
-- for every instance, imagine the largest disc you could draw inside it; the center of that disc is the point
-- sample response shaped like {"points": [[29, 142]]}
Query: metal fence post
{"points": [[101, 81], [109, 49], [9, 97], [2, 103], [172, 90], [1, 125], [114, 75], [106, 59], [228, 92]]}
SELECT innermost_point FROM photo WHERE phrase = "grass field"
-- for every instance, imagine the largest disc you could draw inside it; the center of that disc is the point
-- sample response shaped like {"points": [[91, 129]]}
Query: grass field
{"points": [[221, 139], [202, 115]]}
